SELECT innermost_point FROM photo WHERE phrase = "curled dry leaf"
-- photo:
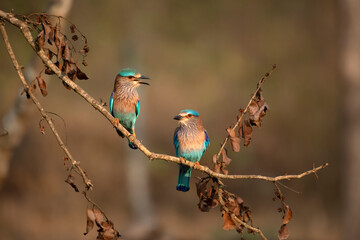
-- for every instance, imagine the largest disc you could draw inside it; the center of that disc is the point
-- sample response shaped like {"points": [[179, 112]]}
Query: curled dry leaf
{"points": [[207, 195], [283, 232], [225, 159], [72, 74], [108, 232], [67, 52], [228, 222], [42, 85], [70, 181], [235, 140], [90, 220], [288, 215], [40, 40], [247, 132], [99, 217], [216, 164], [257, 109], [80, 75]]}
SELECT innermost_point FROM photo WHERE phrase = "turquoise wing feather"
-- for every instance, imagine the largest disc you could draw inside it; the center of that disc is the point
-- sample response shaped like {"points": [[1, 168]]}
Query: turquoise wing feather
{"points": [[137, 108], [207, 141], [176, 143], [111, 104]]}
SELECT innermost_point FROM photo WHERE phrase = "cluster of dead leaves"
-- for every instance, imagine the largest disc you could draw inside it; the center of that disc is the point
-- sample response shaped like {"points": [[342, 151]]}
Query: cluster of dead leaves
{"points": [[234, 208], [283, 232], [257, 110], [105, 230], [207, 193], [220, 166], [59, 49]]}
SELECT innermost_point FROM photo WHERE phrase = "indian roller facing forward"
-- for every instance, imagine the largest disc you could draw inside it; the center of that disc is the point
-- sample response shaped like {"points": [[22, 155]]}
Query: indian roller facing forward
{"points": [[124, 100], [190, 141]]}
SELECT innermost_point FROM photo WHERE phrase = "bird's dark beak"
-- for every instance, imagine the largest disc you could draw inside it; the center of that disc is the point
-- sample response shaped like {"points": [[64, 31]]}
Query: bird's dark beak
{"points": [[144, 83], [144, 77], [178, 117]]}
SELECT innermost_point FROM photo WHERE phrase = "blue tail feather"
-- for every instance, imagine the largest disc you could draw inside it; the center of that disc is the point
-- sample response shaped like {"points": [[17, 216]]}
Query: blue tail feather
{"points": [[184, 178]]}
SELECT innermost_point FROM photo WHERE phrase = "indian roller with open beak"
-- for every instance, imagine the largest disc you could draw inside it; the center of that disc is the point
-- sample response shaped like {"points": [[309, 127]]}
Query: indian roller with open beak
{"points": [[124, 100], [190, 141]]}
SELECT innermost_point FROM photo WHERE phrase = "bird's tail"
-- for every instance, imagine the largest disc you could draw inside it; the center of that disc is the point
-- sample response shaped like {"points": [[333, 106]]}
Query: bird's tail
{"points": [[184, 178], [122, 135], [132, 145]]}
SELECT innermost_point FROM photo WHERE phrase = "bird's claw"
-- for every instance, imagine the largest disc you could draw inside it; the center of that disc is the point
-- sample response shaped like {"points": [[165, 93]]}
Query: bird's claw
{"points": [[197, 164], [134, 134], [182, 160], [115, 122]]}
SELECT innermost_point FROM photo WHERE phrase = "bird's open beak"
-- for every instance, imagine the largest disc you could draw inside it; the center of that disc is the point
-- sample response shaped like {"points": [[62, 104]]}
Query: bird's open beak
{"points": [[143, 77], [178, 117]]}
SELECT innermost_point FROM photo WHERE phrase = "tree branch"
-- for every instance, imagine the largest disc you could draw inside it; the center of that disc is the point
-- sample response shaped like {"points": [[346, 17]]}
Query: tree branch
{"points": [[151, 155]]}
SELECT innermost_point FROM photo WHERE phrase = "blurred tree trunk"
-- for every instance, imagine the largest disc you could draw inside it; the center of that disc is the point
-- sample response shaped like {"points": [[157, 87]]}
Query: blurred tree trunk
{"points": [[144, 221], [350, 68], [16, 119]]}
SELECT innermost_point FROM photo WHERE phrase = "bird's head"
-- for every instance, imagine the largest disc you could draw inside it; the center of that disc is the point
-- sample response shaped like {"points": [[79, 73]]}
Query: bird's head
{"points": [[186, 116], [130, 76]]}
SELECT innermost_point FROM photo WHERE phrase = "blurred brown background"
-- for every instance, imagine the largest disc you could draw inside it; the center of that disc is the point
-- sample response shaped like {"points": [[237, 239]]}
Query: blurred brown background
{"points": [[203, 55]]}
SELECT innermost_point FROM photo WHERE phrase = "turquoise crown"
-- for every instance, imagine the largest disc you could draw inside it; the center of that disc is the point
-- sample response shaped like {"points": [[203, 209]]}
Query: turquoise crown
{"points": [[127, 72]]}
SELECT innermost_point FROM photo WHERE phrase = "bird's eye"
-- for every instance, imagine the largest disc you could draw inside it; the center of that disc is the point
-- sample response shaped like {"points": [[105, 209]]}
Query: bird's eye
{"points": [[190, 115], [130, 77]]}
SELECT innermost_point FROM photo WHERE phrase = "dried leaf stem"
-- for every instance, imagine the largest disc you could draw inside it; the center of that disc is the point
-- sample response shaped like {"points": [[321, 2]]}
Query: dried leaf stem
{"points": [[151, 155]]}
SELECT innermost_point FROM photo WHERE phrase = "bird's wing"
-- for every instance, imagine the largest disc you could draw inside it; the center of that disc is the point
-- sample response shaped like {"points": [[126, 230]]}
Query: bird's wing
{"points": [[137, 108], [176, 142], [111, 104], [207, 141]]}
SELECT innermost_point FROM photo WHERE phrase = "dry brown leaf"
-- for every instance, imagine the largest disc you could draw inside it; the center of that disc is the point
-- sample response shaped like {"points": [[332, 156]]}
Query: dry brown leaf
{"points": [[42, 85], [67, 51], [288, 215], [228, 222], [80, 75], [72, 74], [90, 220], [247, 132], [283, 232], [40, 40], [235, 140], [99, 217], [225, 159]]}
